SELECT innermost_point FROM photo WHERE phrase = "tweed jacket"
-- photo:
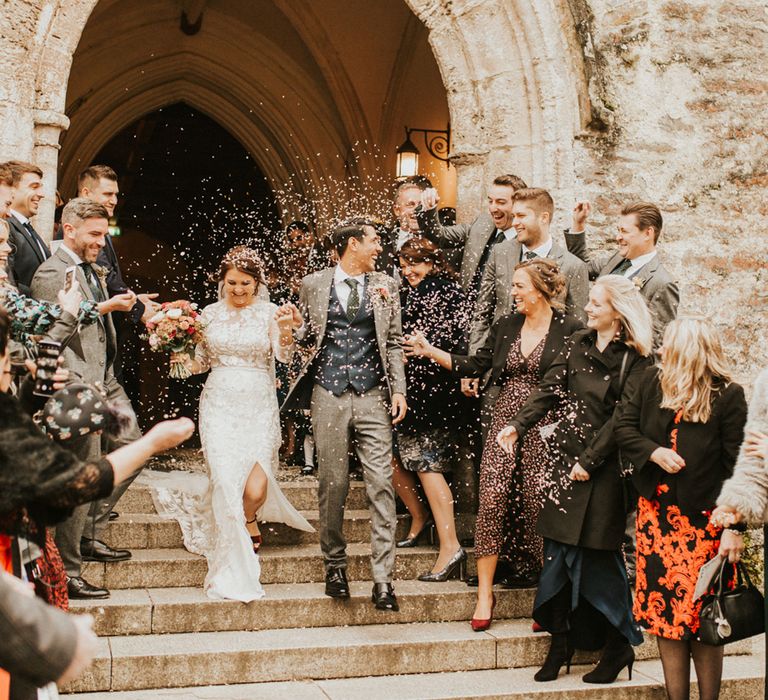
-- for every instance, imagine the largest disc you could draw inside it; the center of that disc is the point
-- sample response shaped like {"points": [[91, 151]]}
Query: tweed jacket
{"points": [[747, 489], [657, 286], [91, 352], [495, 297], [381, 291], [38, 642], [473, 238]]}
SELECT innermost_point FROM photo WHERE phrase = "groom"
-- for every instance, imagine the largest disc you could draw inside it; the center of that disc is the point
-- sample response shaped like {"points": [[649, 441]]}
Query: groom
{"points": [[354, 385]]}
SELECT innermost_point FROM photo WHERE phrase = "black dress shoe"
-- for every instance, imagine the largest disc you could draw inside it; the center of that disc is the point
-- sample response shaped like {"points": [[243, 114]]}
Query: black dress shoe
{"points": [[336, 585], [308, 470], [113, 515], [383, 597], [516, 582], [498, 578], [96, 550], [78, 587]]}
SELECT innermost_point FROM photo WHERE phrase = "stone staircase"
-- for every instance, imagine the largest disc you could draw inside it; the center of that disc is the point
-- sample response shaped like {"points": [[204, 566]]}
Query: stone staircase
{"points": [[161, 637]]}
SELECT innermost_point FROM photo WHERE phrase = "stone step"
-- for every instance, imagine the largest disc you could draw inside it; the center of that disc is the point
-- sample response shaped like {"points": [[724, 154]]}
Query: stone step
{"points": [[302, 493], [214, 658], [178, 610], [152, 531], [163, 568], [742, 680]]}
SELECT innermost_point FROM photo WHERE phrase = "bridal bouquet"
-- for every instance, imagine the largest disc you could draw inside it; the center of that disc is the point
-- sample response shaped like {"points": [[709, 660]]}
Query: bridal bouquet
{"points": [[176, 328]]}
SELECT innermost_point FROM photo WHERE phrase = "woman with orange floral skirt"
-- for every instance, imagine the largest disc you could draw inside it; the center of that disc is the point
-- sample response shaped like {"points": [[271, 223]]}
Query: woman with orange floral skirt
{"points": [[682, 432]]}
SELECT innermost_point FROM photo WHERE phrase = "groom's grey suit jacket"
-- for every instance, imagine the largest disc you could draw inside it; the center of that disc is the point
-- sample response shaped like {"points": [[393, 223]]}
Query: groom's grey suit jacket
{"points": [[656, 284], [91, 351], [382, 294]]}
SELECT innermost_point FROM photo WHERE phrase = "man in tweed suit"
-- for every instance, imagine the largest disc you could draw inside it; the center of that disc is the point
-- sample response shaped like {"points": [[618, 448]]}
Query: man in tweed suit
{"points": [[532, 211], [354, 384], [637, 259], [89, 356]]}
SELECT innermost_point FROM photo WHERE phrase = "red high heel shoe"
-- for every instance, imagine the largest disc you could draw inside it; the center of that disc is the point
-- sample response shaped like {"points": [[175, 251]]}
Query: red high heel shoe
{"points": [[482, 625]]}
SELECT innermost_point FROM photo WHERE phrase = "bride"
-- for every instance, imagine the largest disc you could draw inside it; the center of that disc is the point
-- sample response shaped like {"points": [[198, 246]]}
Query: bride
{"points": [[239, 431]]}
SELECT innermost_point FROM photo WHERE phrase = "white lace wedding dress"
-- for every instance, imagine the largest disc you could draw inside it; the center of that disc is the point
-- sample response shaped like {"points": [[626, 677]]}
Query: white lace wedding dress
{"points": [[239, 426]]}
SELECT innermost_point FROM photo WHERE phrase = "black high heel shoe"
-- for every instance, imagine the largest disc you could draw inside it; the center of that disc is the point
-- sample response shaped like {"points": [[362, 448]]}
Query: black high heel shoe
{"points": [[559, 653], [428, 528], [611, 664], [457, 560]]}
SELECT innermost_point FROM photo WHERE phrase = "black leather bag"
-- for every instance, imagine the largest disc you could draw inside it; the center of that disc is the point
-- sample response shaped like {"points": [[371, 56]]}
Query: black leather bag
{"points": [[728, 616]]}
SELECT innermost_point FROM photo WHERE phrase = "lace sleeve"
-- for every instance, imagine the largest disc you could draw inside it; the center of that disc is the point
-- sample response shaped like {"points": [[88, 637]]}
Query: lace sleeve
{"points": [[201, 349], [282, 353], [90, 481]]}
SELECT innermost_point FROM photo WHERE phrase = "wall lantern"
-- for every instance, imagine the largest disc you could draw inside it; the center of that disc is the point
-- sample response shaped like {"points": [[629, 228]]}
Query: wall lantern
{"points": [[114, 230], [437, 141]]}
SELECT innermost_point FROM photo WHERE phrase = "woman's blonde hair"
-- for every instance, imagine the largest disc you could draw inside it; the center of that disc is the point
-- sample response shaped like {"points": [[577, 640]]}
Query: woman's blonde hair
{"points": [[693, 364], [633, 312]]}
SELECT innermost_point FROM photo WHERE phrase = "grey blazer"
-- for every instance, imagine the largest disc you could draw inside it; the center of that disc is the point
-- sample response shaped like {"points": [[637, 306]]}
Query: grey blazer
{"points": [[314, 298], [657, 286], [473, 238], [90, 353], [38, 641], [495, 297], [747, 489]]}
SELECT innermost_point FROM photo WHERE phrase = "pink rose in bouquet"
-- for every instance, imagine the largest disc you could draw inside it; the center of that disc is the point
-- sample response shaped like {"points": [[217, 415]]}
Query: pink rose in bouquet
{"points": [[176, 328]]}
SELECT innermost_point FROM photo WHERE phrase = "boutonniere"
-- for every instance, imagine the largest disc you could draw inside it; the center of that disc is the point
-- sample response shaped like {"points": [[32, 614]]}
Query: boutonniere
{"points": [[101, 272], [639, 282], [381, 295]]}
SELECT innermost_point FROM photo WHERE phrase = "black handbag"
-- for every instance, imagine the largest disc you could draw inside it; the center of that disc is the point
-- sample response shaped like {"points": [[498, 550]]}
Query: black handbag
{"points": [[731, 615]]}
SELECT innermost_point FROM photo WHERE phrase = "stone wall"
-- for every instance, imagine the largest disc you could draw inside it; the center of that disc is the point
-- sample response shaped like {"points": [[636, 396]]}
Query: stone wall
{"points": [[681, 100], [609, 100]]}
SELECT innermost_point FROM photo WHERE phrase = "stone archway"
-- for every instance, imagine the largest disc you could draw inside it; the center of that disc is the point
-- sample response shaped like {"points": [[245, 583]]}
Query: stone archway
{"points": [[512, 71]]}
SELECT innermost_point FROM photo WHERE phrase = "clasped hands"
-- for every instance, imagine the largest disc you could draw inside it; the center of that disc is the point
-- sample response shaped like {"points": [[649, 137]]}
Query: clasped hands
{"points": [[288, 317]]}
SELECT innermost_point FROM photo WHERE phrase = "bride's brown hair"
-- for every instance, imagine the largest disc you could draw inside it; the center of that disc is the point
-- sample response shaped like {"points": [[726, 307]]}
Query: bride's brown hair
{"points": [[243, 259]]}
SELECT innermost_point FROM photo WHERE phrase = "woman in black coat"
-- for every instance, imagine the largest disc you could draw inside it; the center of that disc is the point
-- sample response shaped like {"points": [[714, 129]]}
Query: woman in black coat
{"points": [[518, 351], [433, 303], [682, 432], [583, 598]]}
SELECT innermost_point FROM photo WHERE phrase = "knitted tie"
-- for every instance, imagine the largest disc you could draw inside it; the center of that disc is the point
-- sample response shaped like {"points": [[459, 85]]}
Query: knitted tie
{"points": [[622, 267], [93, 282], [353, 303]]}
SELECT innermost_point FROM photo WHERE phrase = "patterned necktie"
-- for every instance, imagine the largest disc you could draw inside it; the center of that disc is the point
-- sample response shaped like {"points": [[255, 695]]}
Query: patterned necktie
{"points": [[529, 255], [353, 303], [499, 237], [622, 267], [93, 282]]}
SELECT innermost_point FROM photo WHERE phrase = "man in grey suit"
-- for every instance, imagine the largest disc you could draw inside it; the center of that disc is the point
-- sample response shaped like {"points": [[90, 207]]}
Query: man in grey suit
{"points": [[637, 259], [532, 212], [354, 384], [89, 356]]}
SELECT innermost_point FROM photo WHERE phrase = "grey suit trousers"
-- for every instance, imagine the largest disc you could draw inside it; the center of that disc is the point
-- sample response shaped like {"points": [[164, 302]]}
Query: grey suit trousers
{"points": [[90, 520], [366, 419]]}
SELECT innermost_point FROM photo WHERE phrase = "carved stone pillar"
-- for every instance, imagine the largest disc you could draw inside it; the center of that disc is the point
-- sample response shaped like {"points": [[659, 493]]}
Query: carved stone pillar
{"points": [[45, 153]]}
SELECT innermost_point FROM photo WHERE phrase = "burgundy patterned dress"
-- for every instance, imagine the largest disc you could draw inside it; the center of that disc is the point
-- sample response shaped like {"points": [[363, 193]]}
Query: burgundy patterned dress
{"points": [[512, 486]]}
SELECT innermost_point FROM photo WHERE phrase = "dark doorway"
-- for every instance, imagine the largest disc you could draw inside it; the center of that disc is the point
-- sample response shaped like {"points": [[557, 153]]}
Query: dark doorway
{"points": [[189, 192]]}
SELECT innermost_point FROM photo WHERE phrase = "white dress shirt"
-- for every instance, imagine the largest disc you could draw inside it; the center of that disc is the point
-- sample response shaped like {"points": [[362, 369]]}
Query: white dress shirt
{"points": [[638, 262], [343, 290], [541, 251]]}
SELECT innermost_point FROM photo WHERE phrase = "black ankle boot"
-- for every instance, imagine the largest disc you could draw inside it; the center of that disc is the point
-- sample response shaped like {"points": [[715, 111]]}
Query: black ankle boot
{"points": [[614, 658], [559, 653]]}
